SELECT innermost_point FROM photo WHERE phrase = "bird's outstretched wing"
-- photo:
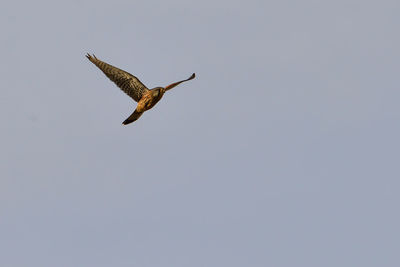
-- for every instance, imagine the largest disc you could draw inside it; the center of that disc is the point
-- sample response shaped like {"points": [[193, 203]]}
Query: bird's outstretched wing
{"points": [[172, 85], [124, 80]]}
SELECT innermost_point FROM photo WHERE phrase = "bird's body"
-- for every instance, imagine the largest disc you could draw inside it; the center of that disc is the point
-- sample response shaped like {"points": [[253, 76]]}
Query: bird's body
{"points": [[131, 85]]}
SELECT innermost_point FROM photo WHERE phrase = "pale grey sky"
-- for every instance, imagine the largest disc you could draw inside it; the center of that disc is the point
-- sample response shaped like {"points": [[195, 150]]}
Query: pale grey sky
{"points": [[284, 151]]}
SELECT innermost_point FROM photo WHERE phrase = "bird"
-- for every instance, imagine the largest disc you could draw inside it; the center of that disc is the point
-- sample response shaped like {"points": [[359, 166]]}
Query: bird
{"points": [[133, 87]]}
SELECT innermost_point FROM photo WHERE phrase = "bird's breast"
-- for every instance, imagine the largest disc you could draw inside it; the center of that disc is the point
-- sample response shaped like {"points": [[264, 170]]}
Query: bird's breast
{"points": [[148, 101]]}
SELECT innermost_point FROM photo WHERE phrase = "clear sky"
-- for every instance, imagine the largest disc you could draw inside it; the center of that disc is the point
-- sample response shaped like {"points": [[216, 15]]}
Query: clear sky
{"points": [[284, 151]]}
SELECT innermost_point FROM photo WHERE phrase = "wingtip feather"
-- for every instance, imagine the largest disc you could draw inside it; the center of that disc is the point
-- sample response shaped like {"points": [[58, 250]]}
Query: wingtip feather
{"points": [[90, 57]]}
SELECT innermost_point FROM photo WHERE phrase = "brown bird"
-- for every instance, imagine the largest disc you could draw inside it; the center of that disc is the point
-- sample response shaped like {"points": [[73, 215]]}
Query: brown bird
{"points": [[134, 88]]}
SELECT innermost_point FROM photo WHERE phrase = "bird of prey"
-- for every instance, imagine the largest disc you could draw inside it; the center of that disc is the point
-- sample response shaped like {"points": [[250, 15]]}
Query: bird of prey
{"points": [[134, 88]]}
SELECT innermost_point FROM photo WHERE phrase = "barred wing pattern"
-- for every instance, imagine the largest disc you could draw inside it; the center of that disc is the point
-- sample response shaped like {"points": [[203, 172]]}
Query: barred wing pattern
{"points": [[124, 80]]}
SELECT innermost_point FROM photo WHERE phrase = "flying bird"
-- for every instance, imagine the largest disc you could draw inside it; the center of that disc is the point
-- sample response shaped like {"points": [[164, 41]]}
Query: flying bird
{"points": [[146, 98]]}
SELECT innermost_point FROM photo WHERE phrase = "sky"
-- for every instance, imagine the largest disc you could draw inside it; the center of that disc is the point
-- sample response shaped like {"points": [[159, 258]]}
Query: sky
{"points": [[284, 151]]}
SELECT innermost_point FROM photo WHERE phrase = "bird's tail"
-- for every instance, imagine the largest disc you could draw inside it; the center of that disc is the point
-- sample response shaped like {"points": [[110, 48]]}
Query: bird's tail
{"points": [[134, 116]]}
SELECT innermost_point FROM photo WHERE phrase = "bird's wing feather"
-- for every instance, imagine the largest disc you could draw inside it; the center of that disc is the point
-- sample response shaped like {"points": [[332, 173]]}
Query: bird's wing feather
{"points": [[124, 80], [172, 85]]}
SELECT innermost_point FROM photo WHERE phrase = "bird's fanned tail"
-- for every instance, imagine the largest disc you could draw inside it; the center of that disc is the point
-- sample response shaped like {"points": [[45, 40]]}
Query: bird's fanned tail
{"points": [[133, 117]]}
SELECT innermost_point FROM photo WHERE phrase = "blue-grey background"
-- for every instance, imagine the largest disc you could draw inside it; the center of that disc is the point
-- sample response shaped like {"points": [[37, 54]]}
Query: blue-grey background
{"points": [[284, 151]]}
